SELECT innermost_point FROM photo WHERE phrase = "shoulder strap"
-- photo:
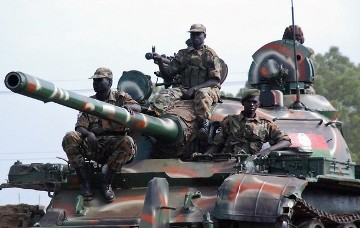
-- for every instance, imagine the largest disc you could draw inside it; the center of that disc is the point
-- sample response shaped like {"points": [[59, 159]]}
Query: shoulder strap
{"points": [[211, 50]]}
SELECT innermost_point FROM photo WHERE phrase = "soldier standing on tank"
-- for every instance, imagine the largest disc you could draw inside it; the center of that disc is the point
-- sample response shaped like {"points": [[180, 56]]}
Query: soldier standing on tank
{"points": [[299, 37], [246, 133], [101, 140], [199, 69]]}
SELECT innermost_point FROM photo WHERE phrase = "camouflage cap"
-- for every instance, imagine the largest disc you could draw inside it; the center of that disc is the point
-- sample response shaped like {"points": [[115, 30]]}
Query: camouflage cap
{"points": [[102, 73], [197, 28], [250, 93]]}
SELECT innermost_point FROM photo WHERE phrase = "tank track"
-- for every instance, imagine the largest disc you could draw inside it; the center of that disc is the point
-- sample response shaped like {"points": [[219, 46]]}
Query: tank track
{"points": [[303, 209]]}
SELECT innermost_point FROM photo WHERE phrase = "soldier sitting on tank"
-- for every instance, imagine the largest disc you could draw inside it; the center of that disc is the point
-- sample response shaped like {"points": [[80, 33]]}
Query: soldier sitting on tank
{"points": [[101, 140], [199, 69], [299, 37], [246, 133], [166, 98]]}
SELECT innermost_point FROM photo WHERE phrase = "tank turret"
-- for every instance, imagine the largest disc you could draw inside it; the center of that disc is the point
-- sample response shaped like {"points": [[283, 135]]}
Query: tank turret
{"points": [[273, 67]]}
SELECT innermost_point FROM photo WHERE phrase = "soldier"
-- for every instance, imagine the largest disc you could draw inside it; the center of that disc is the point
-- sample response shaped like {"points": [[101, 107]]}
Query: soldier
{"points": [[101, 140], [166, 98], [299, 36], [247, 132], [199, 69]]}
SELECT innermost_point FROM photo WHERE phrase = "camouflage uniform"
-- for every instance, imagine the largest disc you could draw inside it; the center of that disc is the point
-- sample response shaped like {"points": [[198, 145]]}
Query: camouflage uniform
{"points": [[194, 67], [115, 147], [241, 135]]}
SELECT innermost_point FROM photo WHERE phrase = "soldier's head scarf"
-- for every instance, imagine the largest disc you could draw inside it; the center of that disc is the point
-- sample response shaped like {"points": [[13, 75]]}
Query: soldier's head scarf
{"points": [[299, 35], [250, 93]]}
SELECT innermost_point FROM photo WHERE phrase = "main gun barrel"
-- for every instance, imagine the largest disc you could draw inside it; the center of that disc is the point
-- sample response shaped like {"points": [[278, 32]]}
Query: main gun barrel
{"points": [[27, 85]]}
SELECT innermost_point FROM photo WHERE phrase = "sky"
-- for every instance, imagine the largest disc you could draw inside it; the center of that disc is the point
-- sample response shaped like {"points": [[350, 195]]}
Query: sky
{"points": [[64, 41]]}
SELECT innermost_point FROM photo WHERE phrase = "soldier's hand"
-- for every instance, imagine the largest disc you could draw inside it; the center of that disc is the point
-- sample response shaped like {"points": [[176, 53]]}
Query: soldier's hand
{"points": [[93, 142], [195, 154], [188, 94], [129, 109], [264, 152], [157, 58]]}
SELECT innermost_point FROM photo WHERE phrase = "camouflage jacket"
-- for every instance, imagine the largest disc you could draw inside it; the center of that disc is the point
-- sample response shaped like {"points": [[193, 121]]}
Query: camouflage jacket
{"points": [[102, 126], [247, 135], [195, 66]]}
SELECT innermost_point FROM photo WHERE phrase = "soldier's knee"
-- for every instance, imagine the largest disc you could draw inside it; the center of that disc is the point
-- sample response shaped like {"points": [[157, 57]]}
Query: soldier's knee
{"points": [[128, 148], [71, 139], [130, 145], [72, 135]]}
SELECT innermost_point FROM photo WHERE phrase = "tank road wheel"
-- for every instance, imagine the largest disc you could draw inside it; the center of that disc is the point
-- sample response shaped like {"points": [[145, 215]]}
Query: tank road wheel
{"points": [[311, 223]]}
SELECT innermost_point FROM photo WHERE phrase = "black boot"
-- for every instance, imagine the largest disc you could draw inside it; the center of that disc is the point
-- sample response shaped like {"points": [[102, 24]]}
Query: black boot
{"points": [[107, 191], [84, 183], [203, 129]]}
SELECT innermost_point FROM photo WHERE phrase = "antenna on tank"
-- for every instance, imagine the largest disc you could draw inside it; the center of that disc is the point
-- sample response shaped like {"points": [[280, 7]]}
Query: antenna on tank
{"points": [[294, 42], [297, 104]]}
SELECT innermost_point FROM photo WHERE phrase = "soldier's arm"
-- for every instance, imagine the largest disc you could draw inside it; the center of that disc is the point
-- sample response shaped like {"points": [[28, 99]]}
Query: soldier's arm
{"points": [[278, 139], [170, 70], [278, 146], [83, 131], [81, 127], [214, 70], [130, 104], [220, 137], [208, 83], [159, 60], [190, 92]]}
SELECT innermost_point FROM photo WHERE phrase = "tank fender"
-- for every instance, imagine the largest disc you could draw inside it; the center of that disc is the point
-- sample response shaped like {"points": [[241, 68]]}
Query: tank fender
{"points": [[156, 211], [257, 198]]}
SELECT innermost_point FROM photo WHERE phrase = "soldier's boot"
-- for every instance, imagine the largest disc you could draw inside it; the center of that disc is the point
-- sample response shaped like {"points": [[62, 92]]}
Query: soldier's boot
{"points": [[86, 190], [107, 191], [204, 125]]}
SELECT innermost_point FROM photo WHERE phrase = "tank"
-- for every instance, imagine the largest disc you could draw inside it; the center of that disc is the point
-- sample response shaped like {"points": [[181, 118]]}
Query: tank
{"points": [[313, 183]]}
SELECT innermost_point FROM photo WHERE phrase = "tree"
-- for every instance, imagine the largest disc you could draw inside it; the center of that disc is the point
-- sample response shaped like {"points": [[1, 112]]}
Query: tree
{"points": [[224, 94], [338, 79], [242, 90]]}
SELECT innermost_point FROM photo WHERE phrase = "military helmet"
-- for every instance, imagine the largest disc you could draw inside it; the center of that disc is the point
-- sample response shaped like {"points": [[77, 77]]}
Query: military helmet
{"points": [[197, 28], [102, 72], [299, 36]]}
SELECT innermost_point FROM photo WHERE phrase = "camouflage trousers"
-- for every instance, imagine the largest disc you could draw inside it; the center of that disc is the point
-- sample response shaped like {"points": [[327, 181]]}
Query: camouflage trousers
{"points": [[115, 151], [203, 99]]}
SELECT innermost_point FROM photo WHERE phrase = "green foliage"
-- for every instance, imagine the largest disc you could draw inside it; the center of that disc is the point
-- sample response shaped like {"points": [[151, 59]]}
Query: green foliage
{"points": [[338, 80], [224, 94]]}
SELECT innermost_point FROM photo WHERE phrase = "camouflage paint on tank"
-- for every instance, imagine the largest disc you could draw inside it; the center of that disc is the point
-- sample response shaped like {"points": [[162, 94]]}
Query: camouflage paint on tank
{"points": [[267, 197], [146, 204], [317, 170], [39, 89]]}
